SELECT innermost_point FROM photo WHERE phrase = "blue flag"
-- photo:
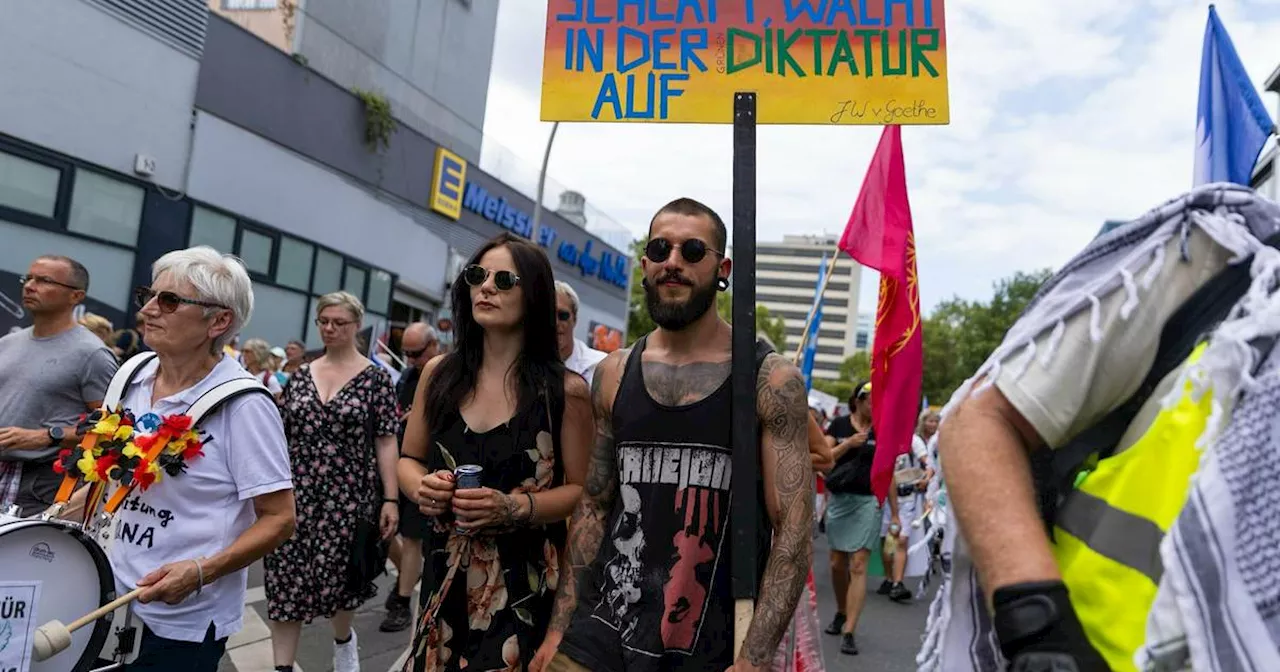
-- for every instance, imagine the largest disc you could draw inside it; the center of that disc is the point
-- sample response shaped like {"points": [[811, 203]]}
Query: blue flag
{"points": [[811, 345], [1232, 123]]}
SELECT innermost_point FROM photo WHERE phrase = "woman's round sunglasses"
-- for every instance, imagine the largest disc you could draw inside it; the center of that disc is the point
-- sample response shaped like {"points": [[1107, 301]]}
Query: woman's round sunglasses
{"points": [[168, 301], [476, 275], [693, 250]]}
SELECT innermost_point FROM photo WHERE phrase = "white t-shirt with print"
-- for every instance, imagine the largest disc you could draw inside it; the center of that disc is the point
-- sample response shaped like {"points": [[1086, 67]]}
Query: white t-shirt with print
{"points": [[199, 513]]}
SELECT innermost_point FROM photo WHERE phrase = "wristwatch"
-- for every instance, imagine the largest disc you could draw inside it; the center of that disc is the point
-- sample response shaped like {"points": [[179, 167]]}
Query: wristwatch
{"points": [[55, 436]]}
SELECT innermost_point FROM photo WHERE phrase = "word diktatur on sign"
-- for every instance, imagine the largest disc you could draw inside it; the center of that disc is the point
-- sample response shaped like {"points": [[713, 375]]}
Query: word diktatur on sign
{"points": [[452, 192], [812, 61]]}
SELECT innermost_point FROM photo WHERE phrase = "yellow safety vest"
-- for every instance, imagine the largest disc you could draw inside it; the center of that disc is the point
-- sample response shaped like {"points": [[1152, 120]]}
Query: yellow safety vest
{"points": [[1108, 530]]}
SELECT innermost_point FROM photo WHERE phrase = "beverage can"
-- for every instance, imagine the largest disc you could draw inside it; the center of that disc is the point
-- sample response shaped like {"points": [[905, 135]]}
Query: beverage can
{"points": [[467, 476]]}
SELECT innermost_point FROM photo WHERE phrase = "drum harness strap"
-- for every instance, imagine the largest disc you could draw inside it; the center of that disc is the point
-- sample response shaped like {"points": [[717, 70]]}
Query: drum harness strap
{"points": [[207, 404]]}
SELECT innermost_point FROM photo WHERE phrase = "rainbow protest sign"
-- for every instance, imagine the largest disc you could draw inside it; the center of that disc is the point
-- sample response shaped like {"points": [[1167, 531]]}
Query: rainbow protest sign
{"points": [[869, 62]]}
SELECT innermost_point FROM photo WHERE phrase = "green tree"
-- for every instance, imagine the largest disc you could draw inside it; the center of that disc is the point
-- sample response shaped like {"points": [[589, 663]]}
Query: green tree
{"points": [[639, 323], [840, 389], [959, 335], [856, 367]]}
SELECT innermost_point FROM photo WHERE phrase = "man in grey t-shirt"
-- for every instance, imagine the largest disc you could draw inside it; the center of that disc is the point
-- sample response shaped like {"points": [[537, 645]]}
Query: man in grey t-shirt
{"points": [[50, 374]]}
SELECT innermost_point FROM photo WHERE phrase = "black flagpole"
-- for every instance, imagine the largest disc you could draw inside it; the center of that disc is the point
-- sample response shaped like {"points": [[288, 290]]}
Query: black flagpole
{"points": [[746, 468]]}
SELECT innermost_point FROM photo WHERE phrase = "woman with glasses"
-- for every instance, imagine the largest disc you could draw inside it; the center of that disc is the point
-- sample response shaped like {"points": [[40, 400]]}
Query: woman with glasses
{"points": [[501, 400], [192, 533], [340, 416]]}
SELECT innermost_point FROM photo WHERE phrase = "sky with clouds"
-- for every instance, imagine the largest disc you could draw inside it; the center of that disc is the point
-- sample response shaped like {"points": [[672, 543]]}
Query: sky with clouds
{"points": [[1063, 115]]}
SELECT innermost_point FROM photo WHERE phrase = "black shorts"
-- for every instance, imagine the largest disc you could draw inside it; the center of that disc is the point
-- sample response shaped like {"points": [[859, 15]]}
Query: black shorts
{"points": [[413, 525], [38, 488]]}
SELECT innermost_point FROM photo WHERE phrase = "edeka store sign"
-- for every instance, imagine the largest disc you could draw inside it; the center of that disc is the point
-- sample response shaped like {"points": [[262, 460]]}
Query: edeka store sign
{"points": [[450, 197]]}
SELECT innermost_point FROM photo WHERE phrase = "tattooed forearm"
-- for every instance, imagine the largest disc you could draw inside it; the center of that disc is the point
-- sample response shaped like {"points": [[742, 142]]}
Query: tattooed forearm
{"points": [[783, 410], [586, 525]]}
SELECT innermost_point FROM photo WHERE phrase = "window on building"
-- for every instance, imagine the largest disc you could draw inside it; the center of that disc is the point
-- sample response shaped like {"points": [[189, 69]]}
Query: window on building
{"points": [[860, 341], [328, 276], [277, 314], [313, 332], [255, 250], [28, 186], [293, 269], [213, 229], [106, 208], [250, 4], [379, 290], [354, 282], [110, 268]]}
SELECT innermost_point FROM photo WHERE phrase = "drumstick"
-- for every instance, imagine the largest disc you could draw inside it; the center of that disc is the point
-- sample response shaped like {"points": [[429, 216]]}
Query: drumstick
{"points": [[54, 637]]}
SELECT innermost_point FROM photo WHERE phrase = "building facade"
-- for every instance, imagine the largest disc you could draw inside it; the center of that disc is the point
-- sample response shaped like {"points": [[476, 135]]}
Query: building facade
{"points": [[865, 333], [1265, 179], [431, 59], [140, 131], [786, 279]]}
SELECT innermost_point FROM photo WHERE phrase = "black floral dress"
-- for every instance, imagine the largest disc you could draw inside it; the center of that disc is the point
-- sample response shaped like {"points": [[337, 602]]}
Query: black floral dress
{"points": [[335, 480], [492, 612]]}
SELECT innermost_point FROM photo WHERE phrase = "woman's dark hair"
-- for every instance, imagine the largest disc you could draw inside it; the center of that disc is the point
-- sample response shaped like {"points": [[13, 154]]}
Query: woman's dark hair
{"points": [[538, 368], [853, 396]]}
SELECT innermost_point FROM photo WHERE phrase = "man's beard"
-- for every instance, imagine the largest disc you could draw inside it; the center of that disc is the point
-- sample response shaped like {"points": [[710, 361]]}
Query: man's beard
{"points": [[674, 316]]}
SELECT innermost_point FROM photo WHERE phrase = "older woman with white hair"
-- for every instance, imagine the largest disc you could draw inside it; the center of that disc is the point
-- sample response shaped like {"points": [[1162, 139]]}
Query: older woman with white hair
{"points": [[341, 419], [257, 359], [189, 537], [577, 356]]}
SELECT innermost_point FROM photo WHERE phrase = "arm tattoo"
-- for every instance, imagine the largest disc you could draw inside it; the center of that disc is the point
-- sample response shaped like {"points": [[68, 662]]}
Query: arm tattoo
{"points": [[586, 525], [781, 399]]}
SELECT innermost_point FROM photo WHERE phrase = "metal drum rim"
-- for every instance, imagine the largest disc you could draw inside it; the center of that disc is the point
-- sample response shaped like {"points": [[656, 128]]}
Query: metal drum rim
{"points": [[101, 627]]}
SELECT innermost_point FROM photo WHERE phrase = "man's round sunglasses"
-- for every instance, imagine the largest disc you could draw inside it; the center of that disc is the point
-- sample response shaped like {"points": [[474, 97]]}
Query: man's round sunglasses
{"points": [[476, 275], [693, 250], [169, 301]]}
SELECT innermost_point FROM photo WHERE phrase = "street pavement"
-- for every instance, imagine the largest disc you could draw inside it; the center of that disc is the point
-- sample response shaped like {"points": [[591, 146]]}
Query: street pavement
{"points": [[888, 633]]}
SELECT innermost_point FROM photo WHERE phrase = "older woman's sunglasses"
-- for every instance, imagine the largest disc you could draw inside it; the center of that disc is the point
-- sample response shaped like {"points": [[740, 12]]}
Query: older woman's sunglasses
{"points": [[476, 275], [168, 301], [693, 250]]}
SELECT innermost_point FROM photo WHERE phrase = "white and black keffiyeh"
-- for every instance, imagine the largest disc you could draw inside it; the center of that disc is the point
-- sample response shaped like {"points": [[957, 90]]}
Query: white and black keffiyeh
{"points": [[959, 635]]}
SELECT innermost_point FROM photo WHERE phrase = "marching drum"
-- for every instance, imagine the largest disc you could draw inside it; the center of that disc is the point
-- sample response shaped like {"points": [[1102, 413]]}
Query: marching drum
{"points": [[75, 579]]}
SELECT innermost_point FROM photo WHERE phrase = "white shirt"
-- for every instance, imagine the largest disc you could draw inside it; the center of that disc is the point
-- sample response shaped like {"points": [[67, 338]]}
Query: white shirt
{"points": [[199, 513], [269, 379], [583, 360]]}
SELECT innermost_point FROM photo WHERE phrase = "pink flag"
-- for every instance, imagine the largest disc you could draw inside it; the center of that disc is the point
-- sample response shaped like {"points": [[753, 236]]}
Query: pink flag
{"points": [[879, 235]]}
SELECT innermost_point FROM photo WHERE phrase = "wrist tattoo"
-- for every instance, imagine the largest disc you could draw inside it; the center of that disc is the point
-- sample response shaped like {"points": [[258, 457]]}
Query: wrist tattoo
{"points": [[508, 510]]}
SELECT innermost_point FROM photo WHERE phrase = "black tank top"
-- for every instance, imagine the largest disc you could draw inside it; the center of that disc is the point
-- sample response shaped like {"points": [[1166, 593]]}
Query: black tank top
{"points": [[658, 596]]}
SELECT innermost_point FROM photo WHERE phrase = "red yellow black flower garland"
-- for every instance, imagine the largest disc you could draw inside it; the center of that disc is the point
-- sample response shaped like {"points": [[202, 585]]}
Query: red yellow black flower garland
{"points": [[112, 452]]}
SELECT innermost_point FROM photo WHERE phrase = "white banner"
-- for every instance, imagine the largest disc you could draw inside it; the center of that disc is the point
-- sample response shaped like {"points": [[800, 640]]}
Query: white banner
{"points": [[18, 623]]}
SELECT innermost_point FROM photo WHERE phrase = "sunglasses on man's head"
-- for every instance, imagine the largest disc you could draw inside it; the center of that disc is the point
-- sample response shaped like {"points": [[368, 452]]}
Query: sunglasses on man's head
{"points": [[693, 250], [168, 301], [476, 275]]}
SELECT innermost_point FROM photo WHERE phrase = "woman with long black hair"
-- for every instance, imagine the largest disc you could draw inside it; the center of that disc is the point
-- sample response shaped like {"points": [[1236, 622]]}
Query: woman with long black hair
{"points": [[501, 400]]}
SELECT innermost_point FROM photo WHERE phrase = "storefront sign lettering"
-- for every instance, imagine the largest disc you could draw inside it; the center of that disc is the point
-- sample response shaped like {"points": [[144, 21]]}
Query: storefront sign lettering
{"points": [[608, 266]]}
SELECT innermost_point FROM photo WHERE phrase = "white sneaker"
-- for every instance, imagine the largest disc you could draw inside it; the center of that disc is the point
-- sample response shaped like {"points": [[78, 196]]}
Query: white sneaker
{"points": [[346, 657]]}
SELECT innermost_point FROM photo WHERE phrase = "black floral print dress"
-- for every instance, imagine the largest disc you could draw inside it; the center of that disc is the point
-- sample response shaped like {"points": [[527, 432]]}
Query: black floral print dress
{"points": [[335, 480], [492, 612]]}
